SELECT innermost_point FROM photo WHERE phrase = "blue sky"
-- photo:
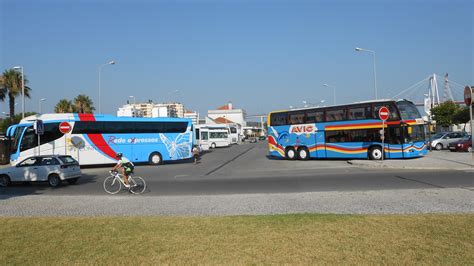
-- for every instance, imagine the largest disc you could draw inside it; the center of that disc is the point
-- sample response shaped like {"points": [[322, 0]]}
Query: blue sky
{"points": [[261, 55]]}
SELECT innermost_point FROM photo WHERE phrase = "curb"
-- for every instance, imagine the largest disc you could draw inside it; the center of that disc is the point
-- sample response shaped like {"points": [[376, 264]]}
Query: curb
{"points": [[381, 165]]}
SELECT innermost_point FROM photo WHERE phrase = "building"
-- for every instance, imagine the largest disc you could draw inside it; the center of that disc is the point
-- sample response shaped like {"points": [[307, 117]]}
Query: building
{"points": [[194, 116], [151, 109], [226, 114]]}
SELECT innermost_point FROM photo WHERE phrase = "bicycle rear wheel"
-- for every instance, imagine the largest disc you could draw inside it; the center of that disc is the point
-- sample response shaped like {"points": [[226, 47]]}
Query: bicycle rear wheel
{"points": [[112, 185], [137, 185]]}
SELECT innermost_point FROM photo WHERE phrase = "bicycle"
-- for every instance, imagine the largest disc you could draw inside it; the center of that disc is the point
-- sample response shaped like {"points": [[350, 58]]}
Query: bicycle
{"points": [[113, 184]]}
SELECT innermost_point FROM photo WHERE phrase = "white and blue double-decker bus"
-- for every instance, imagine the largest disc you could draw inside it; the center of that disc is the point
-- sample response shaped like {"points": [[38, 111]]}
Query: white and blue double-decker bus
{"points": [[347, 131], [96, 139]]}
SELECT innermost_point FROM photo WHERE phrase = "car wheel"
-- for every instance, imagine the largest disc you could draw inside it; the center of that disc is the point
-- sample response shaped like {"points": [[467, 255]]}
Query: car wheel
{"points": [[72, 181], [213, 145], [375, 153], [303, 153], [4, 181], [290, 153], [54, 180], [155, 158], [439, 146]]}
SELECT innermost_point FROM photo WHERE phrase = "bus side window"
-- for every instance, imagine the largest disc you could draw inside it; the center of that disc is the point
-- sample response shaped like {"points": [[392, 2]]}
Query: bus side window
{"points": [[30, 140], [279, 119]]}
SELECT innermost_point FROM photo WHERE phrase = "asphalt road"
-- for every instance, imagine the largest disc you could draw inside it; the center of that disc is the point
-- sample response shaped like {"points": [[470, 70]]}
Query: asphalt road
{"points": [[242, 180]]}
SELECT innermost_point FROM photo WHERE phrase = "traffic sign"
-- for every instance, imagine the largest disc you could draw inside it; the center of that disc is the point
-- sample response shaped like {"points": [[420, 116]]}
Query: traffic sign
{"points": [[384, 113], [39, 127], [467, 95], [65, 127]]}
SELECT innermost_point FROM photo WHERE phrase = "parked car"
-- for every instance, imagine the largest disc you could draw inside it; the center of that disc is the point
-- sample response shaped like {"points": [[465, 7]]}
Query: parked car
{"points": [[465, 144], [50, 168], [441, 140]]}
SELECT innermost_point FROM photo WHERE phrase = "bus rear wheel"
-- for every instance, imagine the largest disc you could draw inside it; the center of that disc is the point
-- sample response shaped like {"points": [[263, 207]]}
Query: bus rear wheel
{"points": [[155, 158], [375, 153], [290, 153], [303, 153]]}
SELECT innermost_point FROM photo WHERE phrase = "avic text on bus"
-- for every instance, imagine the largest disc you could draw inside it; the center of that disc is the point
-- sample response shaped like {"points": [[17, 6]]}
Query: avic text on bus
{"points": [[347, 131], [96, 139]]}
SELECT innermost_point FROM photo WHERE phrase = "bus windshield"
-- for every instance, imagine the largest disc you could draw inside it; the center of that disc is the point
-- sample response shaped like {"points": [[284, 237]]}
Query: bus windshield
{"points": [[16, 138], [414, 133], [408, 110]]}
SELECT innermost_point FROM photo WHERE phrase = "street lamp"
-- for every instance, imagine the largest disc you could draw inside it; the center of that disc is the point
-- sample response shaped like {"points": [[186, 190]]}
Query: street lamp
{"points": [[22, 90], [133, 99], [39, 104], [375, 71], [334, 92], [100, 70]]}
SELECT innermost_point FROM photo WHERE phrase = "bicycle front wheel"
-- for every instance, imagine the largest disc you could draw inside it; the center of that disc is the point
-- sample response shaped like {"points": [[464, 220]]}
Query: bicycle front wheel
{"points": [[112, 185], [137, 185]]}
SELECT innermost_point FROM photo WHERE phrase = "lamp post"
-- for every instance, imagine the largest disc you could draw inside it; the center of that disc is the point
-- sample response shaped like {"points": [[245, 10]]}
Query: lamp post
{"points": [[22, 90], [375, 71], [100, 70], [334, 92], [39, 104]]}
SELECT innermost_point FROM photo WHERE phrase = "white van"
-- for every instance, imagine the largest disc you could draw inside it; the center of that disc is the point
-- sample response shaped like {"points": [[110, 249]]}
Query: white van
{"points": [[212, 136]]}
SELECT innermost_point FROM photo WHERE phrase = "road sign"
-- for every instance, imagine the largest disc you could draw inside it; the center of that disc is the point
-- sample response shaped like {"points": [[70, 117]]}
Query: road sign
{"points": [[39, 127], [383, 113], [467, 95], [65, 127]]}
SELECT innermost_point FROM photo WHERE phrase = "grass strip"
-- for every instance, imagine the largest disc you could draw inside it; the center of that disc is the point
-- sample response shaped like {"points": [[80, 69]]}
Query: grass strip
{"points": [[282, 239]]}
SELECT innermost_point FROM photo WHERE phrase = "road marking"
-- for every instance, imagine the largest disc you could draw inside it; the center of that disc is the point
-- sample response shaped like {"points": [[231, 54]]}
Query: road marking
{"points": [[176, 176]]}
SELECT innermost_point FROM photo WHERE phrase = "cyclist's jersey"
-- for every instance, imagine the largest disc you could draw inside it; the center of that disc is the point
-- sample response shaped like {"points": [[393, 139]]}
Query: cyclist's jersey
{"points": [[126, 164]]}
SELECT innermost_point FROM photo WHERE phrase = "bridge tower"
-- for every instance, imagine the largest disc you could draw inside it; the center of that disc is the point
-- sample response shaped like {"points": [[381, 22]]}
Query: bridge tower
{"points": [[448, 95]]}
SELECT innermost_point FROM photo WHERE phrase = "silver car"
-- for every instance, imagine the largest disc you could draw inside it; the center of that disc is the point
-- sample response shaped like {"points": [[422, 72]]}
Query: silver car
{"points": [[50, 168], [441, 140]]}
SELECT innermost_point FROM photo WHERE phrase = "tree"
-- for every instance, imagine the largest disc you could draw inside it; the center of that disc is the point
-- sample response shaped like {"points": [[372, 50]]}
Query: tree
{"points": [[5, 123], [444, 113], [83, 104], [462, 116], [64, 106], [11, 86]]}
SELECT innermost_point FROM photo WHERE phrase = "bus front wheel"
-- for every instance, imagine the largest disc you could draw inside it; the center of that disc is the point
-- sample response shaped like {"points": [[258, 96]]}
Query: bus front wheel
{"points": [[375, 153], [290, 153], [155, 158], [303, 153]]}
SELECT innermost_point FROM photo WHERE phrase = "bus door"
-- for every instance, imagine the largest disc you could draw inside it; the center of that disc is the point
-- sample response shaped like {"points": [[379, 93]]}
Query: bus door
{"points": [[318, 151], [394, 140]]}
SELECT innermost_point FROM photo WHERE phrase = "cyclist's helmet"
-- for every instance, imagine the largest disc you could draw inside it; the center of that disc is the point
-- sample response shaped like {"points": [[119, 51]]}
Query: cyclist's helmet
{"points": [[119, 155]]}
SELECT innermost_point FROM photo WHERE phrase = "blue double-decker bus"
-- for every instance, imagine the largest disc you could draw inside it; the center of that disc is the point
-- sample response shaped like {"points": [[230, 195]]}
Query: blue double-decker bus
{"points": [[96, 139], [347, 131]]}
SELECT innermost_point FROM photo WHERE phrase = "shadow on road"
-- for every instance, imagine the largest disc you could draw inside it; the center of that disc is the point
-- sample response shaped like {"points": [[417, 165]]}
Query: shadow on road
{"points": [[18, 189]]}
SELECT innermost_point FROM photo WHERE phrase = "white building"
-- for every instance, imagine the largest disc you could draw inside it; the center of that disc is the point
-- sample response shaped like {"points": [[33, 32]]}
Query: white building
{"points": [[226, 114], [194, 116], [152, 110]]}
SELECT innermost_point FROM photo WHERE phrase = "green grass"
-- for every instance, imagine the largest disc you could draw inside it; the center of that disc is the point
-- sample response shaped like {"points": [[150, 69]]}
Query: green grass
{"points": [[291, 239]]}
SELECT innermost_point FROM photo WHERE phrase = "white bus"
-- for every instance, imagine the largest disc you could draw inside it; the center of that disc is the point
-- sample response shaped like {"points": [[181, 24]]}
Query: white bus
{"points": [[213, 136], [96, 139]]}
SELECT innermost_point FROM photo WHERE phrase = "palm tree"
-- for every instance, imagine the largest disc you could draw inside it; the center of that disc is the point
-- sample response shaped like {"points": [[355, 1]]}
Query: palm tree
{"points": [[64, 106], [83, 104], [11, 86]]}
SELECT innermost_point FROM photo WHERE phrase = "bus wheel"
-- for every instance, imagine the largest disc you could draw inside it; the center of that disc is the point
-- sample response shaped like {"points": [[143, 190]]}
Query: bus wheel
{"points": [[213, 145], [290, 153], [4, 181], [303, 153], [155, 158], [375, 153]]}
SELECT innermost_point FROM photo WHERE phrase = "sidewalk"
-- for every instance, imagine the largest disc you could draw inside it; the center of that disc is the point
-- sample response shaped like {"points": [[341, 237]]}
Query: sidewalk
{"points": [[442, 160]]}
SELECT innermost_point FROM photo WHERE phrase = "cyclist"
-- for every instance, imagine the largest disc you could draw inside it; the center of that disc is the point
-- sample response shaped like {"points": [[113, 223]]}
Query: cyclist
{"points": [[126, 167]]}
